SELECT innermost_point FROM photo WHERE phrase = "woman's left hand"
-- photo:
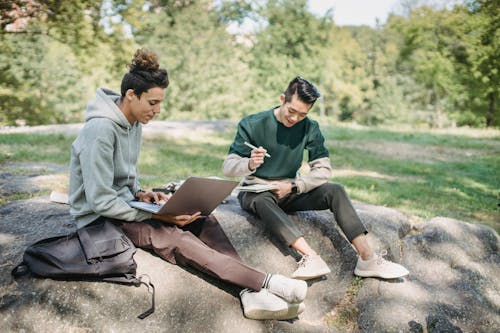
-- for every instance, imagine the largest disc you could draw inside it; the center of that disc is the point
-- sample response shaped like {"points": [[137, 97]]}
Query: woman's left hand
{"points": [[158, 198]]}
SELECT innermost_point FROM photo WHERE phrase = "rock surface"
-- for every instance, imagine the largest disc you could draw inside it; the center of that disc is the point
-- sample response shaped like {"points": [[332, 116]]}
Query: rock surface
{"points": [[453, 286]]}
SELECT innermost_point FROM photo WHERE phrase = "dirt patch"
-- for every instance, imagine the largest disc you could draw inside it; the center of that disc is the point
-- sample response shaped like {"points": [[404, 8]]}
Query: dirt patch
{"points": [[372, 174], [411, 152], [305, 169], [153, 128]]}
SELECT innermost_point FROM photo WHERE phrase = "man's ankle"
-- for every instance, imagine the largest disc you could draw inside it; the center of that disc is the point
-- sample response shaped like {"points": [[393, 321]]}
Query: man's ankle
{"points": [[301, 246], [368, 255]]}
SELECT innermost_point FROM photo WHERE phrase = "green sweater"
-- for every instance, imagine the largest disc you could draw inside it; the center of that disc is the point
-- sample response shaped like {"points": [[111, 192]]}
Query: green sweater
{"points": [[286, 145]]}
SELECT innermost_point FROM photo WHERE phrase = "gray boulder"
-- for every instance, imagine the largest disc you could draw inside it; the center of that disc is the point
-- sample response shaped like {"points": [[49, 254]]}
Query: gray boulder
{"points": [[453, 286]]}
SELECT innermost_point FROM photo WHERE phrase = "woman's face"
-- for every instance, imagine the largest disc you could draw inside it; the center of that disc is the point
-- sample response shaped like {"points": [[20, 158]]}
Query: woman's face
{"points": [[146, 107]]}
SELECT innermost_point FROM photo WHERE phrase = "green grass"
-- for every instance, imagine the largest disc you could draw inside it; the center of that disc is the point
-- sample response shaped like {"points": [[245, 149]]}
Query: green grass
{"points": [[35, 148], [345, 314], [424, 173], [453, 175]]}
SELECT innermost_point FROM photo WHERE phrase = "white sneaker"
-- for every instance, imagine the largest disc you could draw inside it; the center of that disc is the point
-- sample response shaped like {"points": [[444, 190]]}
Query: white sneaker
{"points": [[311, 267], [291, 290], [262, 305], [379, 267]]}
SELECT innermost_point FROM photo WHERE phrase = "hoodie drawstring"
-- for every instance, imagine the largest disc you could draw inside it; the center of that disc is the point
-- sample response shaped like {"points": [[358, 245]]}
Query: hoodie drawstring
{"points": [[128, 151]]}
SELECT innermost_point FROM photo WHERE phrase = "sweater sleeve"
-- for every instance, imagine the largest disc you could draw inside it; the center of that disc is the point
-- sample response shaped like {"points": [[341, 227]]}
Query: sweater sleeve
{"points": [[236, 162], [319, 174], [97, 166], [319, 161], [236, 166]]}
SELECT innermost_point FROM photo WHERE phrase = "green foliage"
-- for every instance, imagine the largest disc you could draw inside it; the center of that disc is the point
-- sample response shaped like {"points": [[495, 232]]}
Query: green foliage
{"points": [[453, 54], [208, 74], [50, 67], [288, 46], [430, 67], [481, 71]]}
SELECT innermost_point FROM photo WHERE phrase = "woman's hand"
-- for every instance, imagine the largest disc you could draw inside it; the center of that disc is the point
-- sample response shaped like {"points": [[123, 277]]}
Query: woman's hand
{"points": [[158, 198], [178, 220]]}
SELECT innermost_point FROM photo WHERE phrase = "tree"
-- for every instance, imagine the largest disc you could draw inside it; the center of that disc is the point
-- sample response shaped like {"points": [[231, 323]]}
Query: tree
{"points": [[481, 70], [49, 63], [453, 54], [209, 76], [289, 45], [427, 53]]}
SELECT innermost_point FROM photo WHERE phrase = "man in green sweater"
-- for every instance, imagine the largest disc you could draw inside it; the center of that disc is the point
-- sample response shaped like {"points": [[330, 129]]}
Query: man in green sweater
{"points": [[280, 136]]}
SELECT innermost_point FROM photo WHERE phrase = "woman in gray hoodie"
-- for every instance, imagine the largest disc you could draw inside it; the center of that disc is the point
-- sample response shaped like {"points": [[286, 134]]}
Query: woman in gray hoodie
{"points": [[103, 178]]}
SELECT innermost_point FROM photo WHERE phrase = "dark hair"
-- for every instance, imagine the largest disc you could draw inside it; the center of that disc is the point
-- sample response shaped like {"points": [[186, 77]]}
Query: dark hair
{"points": [[144, 73], [305, 90]]}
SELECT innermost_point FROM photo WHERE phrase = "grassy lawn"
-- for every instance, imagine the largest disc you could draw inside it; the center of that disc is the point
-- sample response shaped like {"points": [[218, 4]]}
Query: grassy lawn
{"points": [[425, 173]]}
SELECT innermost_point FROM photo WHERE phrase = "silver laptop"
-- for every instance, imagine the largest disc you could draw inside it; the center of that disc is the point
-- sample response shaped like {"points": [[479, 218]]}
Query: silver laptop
{"points": [[196, 194]]}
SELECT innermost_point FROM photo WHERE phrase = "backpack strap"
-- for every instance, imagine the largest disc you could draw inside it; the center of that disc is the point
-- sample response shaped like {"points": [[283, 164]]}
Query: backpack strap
{"points": [[20, 270], [151, 289], [137, 281]]}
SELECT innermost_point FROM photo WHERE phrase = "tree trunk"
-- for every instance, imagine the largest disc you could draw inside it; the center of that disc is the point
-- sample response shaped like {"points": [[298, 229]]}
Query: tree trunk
{"points": [[491, 110], [321, 107], [438, 116]]}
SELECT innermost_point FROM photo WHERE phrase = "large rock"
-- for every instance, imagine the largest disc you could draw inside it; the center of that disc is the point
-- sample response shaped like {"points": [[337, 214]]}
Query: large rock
{"points": [[453, 286]]}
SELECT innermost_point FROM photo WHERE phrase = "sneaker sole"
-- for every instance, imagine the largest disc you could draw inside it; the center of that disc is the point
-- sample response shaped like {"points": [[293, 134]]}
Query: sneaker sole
{"points": [[361, 273], [309, 277], [292, 312]]}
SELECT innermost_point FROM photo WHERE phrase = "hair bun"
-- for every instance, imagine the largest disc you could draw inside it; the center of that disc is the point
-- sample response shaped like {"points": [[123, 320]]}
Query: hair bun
{"points": [[144, 60]]}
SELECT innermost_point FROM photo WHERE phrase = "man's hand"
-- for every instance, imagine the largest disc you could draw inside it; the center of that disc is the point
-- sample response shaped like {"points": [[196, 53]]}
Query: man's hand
{"points": [[158, 198], [256, 158], [178, 220], [283, 189]]}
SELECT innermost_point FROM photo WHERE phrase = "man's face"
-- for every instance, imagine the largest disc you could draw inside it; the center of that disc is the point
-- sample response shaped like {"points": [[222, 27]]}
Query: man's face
{"points": [[292, 112], [147, 107]]}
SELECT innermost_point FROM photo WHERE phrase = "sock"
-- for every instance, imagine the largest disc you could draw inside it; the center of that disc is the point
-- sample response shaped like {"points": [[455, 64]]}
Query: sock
{"points": [[265, 284], [368, 259]]}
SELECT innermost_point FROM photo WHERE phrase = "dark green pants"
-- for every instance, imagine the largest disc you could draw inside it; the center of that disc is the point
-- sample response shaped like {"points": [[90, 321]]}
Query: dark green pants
{"points": [[273, 212]]}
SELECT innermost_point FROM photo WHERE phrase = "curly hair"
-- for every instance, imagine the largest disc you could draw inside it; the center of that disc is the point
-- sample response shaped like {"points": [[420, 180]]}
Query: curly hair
{"points": [[144, 73]]}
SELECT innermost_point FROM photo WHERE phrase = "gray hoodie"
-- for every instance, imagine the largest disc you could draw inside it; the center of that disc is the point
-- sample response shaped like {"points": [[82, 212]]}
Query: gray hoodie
{"points": [[103, 167]]}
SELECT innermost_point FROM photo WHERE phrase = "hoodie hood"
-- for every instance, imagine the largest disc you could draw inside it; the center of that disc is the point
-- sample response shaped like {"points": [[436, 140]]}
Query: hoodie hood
{"points": [[104, 106], [103, 167]]}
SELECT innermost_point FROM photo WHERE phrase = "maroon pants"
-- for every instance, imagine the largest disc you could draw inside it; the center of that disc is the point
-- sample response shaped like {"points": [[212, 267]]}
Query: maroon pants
{"points": [[201, 244]]}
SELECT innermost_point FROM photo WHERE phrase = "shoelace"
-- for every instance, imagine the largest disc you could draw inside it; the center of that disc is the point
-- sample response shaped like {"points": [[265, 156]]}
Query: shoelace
{"points": [[302, 261], [380, 256]]}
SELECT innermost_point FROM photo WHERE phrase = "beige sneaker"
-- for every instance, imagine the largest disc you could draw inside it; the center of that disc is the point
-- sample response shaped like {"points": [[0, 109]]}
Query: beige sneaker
{"points": [[263, 305], [291, 290], [379, 267], [311, 267]]}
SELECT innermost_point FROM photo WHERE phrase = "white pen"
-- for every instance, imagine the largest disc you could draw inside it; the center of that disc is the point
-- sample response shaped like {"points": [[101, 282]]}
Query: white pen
{"points": [[253, 147]]}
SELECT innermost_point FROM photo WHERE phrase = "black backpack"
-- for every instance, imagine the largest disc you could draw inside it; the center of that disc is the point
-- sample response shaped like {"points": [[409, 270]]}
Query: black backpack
{"points": [[97, 252]]}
